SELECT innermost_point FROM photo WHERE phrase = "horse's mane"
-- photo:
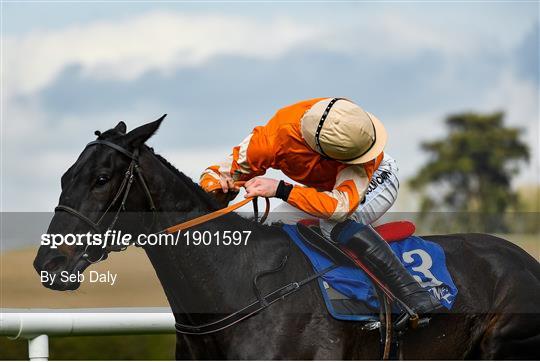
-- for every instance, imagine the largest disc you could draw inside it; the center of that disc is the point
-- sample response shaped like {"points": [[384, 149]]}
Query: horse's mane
{"points": [[185, 179]]}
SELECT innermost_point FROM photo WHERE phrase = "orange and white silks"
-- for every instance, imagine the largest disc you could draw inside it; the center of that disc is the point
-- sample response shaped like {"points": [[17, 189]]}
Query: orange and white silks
{"points": [[333, 190]]}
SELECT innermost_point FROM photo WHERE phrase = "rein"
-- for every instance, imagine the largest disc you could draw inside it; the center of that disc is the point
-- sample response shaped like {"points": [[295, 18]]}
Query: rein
{"points": [[253, 308], [134, 168], [214, 215]]}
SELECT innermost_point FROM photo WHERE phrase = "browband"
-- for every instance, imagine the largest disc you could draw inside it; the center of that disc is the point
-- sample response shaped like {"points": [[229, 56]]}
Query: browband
{"points": [[116, 147]]}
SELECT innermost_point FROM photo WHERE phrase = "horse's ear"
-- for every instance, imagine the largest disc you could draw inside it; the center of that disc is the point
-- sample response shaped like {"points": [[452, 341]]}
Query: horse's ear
{"points": [[121, 127], [141, 134]]}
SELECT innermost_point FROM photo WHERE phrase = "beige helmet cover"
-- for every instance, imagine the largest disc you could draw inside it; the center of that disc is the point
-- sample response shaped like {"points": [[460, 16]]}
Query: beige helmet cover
{"points": [[349, 134]]}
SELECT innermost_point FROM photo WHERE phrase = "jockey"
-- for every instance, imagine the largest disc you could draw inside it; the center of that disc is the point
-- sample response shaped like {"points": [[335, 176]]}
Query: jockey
{"points": [[335, 150]]}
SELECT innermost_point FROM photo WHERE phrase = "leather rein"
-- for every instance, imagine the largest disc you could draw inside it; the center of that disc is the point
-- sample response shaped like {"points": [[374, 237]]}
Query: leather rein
{"points": [[262, 302], [122, 194]]}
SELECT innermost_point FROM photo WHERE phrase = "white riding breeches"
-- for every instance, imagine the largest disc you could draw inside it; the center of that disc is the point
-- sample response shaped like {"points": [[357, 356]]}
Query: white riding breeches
{"points": [[380, 196]]}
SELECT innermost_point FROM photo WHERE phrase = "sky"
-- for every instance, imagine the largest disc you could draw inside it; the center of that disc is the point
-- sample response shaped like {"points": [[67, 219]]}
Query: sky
{"points": [[220, 69]]}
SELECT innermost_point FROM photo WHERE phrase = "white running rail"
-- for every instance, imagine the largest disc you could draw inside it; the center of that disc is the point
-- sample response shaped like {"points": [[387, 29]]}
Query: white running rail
{"points": [[36, 325]]}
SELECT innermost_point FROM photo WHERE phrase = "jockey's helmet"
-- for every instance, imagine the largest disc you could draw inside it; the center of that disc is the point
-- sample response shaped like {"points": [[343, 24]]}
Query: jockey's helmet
{"points": [[339, 129]]}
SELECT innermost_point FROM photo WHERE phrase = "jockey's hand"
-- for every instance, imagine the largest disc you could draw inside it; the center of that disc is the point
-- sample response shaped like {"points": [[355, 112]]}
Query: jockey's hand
{"points": [[261, 186], [222, 198], [226, 192], [227, 183]]}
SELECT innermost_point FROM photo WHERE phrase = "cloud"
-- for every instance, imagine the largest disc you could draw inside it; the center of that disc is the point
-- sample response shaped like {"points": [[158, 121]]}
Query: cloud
{"points": [[219, 75], [527, 55], [128, 48]]}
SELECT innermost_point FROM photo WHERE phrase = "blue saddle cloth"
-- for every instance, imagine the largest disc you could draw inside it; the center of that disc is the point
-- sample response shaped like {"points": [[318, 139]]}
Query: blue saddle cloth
{"points": [[425, 260]]}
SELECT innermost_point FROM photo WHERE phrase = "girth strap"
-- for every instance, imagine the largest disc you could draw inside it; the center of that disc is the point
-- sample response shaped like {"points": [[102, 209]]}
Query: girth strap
{"points": [[251, 309]]}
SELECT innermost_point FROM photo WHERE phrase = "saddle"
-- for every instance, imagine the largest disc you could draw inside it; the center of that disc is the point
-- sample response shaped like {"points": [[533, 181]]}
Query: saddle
{"points": [[390, 332], [391, 231], [311, 233]]}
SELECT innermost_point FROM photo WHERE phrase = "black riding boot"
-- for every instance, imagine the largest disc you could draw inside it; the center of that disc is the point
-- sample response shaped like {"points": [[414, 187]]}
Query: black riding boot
{"points": [[378, 257]]}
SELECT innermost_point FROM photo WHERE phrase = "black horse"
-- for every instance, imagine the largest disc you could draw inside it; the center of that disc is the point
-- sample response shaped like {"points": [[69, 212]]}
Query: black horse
{"points": [[496, 314]]}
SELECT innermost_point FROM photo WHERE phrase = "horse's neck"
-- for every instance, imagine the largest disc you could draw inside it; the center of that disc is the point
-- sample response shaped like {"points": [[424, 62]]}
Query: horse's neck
{"points": [[173, 192], [200, 279]]}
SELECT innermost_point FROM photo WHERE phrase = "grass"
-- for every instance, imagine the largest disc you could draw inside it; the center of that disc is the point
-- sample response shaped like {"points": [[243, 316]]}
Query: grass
{"points": [[142, 347], [137, 286]]}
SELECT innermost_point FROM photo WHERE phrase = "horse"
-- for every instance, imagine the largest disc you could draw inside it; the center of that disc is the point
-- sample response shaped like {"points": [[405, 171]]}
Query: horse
{"points": [[495, 316]]}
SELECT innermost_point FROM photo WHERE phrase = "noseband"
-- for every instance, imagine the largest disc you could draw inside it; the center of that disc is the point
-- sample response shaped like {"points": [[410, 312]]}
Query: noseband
{"points": [[122, 194]]}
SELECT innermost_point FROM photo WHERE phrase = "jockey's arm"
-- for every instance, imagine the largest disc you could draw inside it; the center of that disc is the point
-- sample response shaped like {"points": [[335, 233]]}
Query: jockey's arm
{"points": [[236, 166], [351, 185]]}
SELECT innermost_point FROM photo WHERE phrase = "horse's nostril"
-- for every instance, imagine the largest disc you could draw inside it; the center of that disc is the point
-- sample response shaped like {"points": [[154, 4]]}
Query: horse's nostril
{"points": [[55, 264]]}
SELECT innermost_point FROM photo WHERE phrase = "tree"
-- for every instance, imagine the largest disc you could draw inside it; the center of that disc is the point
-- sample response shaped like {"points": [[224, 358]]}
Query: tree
{"points": [[470, 170]]}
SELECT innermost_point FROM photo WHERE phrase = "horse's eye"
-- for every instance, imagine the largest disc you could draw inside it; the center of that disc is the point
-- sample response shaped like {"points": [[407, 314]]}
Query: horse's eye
{"points": [[102, 180]]}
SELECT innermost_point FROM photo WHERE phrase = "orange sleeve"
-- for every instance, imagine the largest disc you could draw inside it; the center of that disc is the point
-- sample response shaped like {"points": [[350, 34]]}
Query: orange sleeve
{"points": [[315, 203], [338, 204], [252, 157], [256, 153], [209, 180], [261, 151]]}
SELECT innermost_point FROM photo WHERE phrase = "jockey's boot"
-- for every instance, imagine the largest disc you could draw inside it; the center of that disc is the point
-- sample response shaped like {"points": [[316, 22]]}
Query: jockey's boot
{"points": [[375, 253]]}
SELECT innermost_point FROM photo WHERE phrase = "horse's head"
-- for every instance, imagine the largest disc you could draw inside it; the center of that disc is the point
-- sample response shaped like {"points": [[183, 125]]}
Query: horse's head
{"points": [[95, 190]]}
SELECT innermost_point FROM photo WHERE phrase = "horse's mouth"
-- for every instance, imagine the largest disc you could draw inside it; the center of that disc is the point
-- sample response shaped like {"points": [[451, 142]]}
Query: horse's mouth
{"points": [[67, 278]]}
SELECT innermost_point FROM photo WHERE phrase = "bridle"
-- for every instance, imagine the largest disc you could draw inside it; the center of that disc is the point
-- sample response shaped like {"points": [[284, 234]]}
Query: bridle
{"points": [[122, 194], [134, 168], [261, 303]]}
